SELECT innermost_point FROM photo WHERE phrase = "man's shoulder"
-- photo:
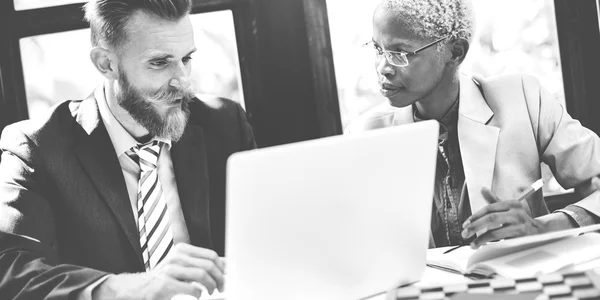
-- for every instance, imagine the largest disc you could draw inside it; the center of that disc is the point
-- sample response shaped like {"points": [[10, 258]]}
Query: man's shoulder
{"points": [[52, 126], [209, 108], [224, 122], [213, 102]]}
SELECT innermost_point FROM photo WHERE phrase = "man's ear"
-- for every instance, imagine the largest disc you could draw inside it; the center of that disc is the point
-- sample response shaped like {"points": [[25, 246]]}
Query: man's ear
{"points": [[458, 48], [105, 62]]}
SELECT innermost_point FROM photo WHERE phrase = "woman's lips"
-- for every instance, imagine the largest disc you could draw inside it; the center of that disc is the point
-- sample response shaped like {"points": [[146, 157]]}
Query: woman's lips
{"points": [[389, 90]]}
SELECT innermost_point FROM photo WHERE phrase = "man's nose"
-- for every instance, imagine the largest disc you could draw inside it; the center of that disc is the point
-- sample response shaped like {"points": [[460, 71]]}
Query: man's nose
{"points": [[181, 79]]}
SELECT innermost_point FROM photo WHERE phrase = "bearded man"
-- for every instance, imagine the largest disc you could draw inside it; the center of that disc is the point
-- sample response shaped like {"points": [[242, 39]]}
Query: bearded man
{"points": [[124, 189]]}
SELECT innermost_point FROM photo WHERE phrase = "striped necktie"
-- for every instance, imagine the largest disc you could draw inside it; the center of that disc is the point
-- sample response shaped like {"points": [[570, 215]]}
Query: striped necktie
{"points": [[156, 238]]}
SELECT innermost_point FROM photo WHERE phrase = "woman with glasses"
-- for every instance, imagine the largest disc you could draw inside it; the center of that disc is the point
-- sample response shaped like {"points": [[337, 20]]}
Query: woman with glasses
{"points": [[494, 132]]}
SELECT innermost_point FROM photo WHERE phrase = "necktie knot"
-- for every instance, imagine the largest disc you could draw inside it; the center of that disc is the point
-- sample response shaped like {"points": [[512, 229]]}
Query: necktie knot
{"points": [[146, 155]]}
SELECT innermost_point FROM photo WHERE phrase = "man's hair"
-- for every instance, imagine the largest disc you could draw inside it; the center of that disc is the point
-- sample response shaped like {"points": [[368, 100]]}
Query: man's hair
{"points": [[431, 19], [108, 18]]}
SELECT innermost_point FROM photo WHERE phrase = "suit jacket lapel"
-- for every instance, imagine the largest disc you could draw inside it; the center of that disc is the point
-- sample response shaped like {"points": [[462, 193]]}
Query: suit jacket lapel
{"points": [[477, 141], [191, 174], [96, 154]]}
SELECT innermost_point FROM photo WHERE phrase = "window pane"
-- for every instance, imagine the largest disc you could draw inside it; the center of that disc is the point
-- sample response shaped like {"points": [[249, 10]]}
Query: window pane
{"points": [[216, 65], [31, 4], [351, 27], [506, 41], [523, 41], [54, 73]]}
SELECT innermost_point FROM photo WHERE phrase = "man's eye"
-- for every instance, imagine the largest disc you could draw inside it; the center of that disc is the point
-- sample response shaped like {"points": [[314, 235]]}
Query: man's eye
{"points": [[186, 59], [159, 63]]}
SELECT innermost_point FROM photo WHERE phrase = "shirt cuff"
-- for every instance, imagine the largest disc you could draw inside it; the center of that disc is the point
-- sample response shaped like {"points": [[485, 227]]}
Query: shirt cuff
{"points": [[86, 294], [581, 216]]}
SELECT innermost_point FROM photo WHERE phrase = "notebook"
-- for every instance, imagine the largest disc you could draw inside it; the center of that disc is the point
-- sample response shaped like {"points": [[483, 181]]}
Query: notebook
{"points": [[523, 257], [343, 217]]}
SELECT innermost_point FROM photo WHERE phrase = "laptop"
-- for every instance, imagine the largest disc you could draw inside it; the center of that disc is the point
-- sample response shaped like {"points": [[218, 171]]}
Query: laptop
{"points": [[342, 217]]}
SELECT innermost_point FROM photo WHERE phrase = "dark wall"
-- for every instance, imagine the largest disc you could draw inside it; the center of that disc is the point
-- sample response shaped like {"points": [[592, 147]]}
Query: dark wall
{"points": [[290, 110], [579, 40]]}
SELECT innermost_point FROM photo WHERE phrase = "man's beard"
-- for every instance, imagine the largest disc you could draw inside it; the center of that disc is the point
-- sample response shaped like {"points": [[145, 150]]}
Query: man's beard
{"points": [[140, 106]]}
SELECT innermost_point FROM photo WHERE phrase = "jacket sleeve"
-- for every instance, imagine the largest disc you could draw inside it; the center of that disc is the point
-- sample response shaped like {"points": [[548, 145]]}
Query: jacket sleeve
{"points": [[28, 269], [571, 150]]}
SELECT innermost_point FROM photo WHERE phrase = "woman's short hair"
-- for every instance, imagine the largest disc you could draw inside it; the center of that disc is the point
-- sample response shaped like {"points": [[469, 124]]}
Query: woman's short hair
{"points": [[430, 19], [108, 18]]}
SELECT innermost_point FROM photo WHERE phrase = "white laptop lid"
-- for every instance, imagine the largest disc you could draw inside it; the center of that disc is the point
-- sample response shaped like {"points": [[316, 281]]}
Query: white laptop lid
{"points": [[342, 217]]}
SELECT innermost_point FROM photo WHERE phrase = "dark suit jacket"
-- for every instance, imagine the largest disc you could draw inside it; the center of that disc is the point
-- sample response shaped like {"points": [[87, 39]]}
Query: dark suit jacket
{"points": [[29, 270], [65, 187]]}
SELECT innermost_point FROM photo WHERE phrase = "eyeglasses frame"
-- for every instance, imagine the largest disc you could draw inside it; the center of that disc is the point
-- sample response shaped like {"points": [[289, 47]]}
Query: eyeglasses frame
{"points": [[406, 54]]}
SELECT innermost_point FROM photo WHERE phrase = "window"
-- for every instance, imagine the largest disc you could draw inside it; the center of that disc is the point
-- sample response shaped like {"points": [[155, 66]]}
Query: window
{"points": [[31, 4], [517, 41], [216, 66], [351, 27], [54, 73]]}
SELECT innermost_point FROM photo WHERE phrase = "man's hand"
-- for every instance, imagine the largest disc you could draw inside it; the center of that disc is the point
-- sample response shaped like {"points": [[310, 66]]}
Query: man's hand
{"points": [[595, 183], [182, 271], [500, 220]]}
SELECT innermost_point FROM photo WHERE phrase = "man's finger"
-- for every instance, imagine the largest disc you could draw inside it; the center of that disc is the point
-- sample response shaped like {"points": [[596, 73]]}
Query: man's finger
{"points": [[190, 275], [201, 253], [197, 251], [223, 264], [181, 290], [596, 183], [209, 267]]}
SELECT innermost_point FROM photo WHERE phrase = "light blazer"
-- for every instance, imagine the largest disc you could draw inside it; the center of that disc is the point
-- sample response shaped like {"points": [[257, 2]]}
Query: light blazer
{"points": [[507, 125], [65, 187]]}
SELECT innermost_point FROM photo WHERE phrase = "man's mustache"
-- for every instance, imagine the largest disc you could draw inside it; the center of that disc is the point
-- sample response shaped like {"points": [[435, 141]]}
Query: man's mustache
{"points": [[171, 95]]}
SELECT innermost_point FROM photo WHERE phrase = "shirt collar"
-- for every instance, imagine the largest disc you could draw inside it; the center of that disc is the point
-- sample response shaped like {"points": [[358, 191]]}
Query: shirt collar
{"points": [[120, 138], [447, 122]]}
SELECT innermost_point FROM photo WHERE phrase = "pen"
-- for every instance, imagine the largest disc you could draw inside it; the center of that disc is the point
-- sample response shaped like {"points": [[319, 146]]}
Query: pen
{"points": [[536, 186], [452, 249]]}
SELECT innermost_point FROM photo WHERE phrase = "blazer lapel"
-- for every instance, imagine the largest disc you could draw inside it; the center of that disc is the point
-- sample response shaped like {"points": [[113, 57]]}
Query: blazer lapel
{"points": [[191, 173], [477, 141], [96, 154]]}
